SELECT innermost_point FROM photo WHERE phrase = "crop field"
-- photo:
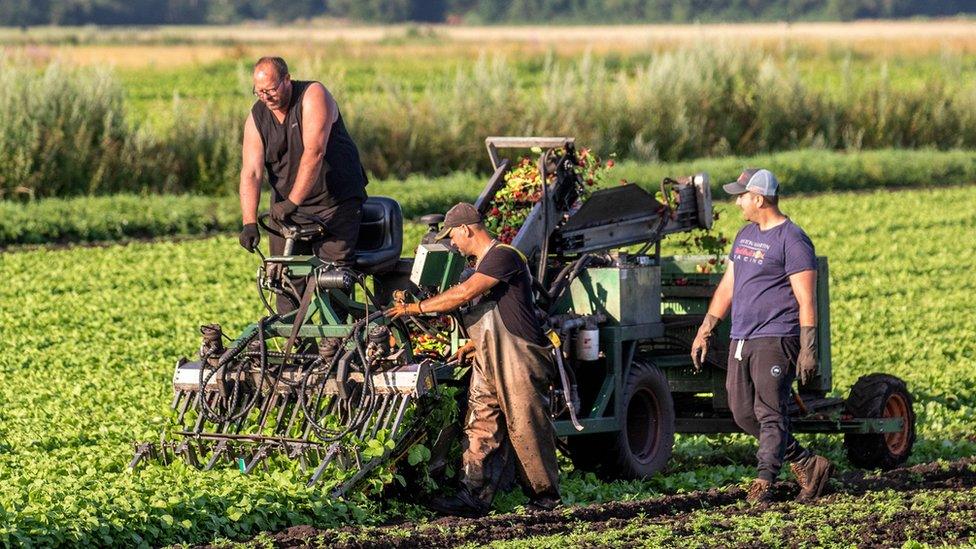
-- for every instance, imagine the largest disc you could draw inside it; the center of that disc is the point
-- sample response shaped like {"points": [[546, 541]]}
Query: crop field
{"points": [[91, 334]]}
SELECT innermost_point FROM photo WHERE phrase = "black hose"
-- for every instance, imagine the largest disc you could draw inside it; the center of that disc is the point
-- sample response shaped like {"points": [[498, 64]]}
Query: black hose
{"points": [[208, 412]]}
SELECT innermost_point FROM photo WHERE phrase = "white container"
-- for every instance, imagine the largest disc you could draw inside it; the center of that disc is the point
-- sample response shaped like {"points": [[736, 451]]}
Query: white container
{"points": [[588, 344]]}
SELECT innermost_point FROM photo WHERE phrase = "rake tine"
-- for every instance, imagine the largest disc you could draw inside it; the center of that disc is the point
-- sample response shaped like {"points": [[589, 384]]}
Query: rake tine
{"points": [[191, 396], [281, 414], [201, 414], [177, 396], [217, 453], [144, 451], [268, 405], [403, 408], [330, 454], [185, 449], [261, 453], [295, 408], [380, 415]]}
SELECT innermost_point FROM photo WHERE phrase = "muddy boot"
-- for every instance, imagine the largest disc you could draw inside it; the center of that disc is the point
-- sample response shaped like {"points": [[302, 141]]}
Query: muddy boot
{"points": [[811, 474], [760, 491], [462, 504]]}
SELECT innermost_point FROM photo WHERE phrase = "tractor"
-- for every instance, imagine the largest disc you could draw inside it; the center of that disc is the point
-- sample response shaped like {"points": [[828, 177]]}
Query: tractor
{"points": [[323, 383]]}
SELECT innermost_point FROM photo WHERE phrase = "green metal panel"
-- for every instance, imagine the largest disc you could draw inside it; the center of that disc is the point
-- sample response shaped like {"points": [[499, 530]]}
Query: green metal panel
{"points": [[437, 265], [628, 295], [825, 378]]}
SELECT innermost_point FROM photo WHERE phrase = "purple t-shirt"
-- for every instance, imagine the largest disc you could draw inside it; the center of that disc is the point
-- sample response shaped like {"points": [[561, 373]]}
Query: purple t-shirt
{"points": [[763, 304]]}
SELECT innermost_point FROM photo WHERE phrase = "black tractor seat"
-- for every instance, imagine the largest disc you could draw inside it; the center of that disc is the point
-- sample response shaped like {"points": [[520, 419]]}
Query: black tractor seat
{"points": [[380, 236]]}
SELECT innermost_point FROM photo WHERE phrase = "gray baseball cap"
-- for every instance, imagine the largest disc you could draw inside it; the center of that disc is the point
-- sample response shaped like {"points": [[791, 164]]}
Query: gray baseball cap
{"points": [[757, 180], [461, 213]]}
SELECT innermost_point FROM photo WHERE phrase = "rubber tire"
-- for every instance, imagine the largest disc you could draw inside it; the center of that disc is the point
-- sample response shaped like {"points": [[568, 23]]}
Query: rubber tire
{"points": [[869, 398], [650, 416]]}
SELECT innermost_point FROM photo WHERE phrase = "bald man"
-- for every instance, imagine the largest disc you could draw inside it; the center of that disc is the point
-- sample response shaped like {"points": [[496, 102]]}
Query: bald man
{"points": [[295, 132]]}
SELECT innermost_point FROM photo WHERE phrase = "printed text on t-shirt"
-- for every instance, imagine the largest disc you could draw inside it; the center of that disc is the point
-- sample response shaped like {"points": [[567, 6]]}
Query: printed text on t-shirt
{"points": [[749, 251]]}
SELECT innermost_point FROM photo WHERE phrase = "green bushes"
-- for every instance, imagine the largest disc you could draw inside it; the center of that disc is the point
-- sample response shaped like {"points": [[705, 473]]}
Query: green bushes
{"points": [[67, 132]]}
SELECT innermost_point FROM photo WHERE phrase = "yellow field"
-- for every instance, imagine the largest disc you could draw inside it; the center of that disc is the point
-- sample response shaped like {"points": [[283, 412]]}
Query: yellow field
{"points": [[175, 46]]}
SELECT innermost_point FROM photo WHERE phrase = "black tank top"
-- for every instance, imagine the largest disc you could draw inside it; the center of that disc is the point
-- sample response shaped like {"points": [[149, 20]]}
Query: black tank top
{"points": [[342, 175]]}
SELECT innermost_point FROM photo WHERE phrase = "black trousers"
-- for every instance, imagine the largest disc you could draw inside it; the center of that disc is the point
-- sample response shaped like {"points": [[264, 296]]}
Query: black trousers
{"points": [[759, 379], [338, 246]]}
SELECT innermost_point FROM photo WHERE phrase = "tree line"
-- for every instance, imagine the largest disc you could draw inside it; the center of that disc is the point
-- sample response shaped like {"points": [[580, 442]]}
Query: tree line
{"points": [[155, 12]]}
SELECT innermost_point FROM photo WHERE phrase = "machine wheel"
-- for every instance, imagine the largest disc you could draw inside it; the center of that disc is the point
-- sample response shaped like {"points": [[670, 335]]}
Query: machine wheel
{"points": [[875, 396], [643, 447]]}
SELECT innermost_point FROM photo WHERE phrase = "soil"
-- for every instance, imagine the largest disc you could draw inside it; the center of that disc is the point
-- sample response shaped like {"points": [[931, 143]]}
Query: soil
{"points": [[673, 511]]}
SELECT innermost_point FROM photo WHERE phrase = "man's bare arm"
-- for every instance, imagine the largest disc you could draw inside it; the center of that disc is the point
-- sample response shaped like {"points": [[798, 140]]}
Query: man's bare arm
{"points": [[252, 170], [722, 298], [804, 284], [462, 293], [317, 109]]}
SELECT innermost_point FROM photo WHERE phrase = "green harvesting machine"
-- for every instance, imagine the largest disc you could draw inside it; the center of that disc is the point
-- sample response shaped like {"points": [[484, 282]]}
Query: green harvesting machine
{"points": [[336, 386]]}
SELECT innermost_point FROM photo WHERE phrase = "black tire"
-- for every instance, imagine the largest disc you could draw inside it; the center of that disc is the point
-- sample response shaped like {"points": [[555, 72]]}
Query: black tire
{"points": [[643, 447], [875, 396]]}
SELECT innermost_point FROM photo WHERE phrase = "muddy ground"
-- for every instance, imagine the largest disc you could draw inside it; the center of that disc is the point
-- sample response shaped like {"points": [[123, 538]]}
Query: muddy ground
{"points": [[958, 522]]}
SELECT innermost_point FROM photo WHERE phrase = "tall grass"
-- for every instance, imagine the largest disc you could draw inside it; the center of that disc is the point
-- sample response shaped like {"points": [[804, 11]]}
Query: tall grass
{"points": [[66, 131]]}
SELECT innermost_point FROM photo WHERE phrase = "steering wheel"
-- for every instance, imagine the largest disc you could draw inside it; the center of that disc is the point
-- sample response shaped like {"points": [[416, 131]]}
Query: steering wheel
{"points": [[296, 231]]}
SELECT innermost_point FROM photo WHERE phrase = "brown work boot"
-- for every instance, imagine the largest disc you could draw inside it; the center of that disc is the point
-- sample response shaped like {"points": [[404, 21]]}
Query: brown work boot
{"points": [[760, 491], [812, 474]]}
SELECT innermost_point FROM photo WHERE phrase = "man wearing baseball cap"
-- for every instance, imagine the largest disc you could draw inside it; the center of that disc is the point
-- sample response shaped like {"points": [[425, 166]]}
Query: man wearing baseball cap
{"points": [[770, 286], [508, 403]]}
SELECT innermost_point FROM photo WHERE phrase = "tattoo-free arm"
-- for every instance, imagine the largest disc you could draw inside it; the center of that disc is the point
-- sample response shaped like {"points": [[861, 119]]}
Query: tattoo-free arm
{"points": [[722, 298], [316, 124], [464, 292], [804, 284], [252, 170]]}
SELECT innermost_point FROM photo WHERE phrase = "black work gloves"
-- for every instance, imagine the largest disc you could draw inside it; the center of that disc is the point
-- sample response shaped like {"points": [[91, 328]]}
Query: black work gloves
{"points": [[281, 210], [806, 362], [699, 347], [250, 237]]}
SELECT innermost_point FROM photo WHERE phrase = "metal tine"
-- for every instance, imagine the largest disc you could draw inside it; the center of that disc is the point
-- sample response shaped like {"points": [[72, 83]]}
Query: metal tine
{"points": [[329, 455], [403, 408], [268, 405], [390, 414], [177, 397], [261, 453], [379, 416], [279, 420], [200, 415], [295, 408], [191, 396], [217, 453], [185, 450]]}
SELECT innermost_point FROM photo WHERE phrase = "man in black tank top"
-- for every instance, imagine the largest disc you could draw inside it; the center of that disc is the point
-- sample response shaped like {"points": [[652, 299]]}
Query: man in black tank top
{"points": [[296, 134]]}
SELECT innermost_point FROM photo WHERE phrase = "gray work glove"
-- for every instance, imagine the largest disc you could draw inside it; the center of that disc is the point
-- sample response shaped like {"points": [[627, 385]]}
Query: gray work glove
{"points": [[699, 347], [250, 237], [806, 362]]}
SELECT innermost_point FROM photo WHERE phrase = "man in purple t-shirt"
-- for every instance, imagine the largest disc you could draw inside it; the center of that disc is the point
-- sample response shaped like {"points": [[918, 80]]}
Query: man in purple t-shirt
{"points": [[770, 286]]}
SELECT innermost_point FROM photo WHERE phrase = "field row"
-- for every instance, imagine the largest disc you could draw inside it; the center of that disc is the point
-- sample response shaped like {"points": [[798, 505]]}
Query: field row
{"points": [[91, 335], [126, 216]]}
